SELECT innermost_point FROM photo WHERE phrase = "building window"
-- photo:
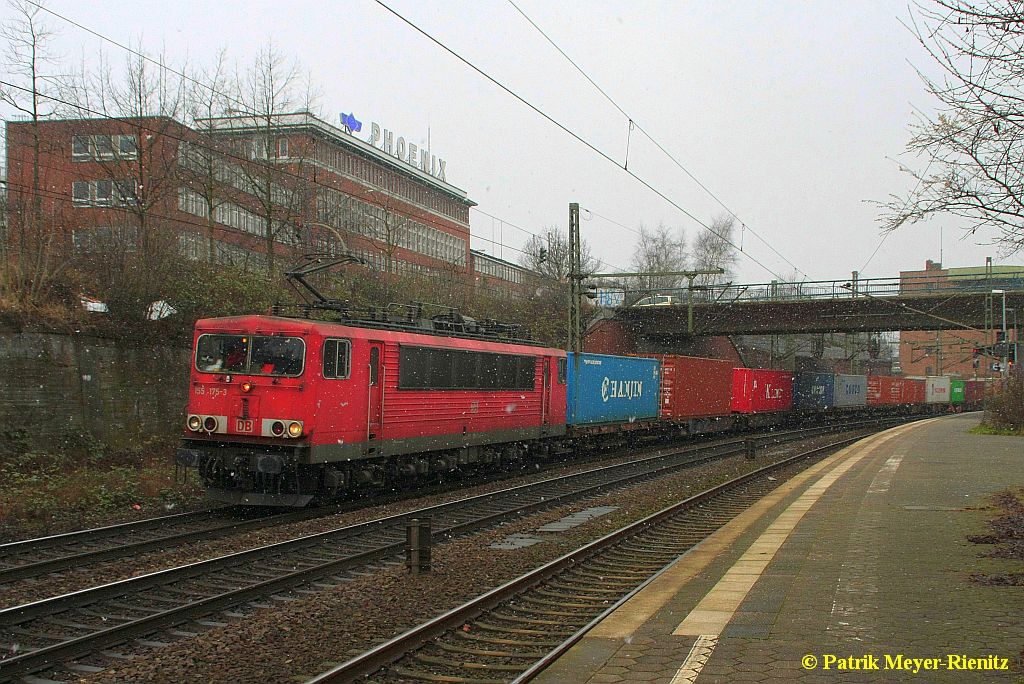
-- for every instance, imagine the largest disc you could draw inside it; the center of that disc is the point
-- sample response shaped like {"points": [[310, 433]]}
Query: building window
{"points": [[259, 148], [104, 238], [125, 192], [282, 147], [104, 190], [103, 193], [104, 147], [127, 147], [193, 203], [81, 194], [80, 147]]}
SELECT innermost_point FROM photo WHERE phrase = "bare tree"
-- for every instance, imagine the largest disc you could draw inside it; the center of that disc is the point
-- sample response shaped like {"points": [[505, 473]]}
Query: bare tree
{"points": [[271, 88], [39, 258], [205, 161], [714, 248], [659, 250], [140, 163], [973, 149], [132, 258], [548, 255]]}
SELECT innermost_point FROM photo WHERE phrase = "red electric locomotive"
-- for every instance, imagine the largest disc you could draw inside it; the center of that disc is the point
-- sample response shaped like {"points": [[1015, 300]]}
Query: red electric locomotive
{"points": [[281, 409]]}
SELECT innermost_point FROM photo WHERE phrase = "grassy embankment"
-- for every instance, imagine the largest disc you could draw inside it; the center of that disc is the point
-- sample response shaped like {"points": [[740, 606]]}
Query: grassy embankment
{"points": [[86, 483]]}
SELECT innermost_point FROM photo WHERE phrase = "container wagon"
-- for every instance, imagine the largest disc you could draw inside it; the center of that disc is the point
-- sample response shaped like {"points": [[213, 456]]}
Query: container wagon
{"points": [[957, 391], [813, 391], [604, 389], [885, 390], [694, 387], [850, 390], [756, 390], [936, 390], [913, 391], [974, 392]]}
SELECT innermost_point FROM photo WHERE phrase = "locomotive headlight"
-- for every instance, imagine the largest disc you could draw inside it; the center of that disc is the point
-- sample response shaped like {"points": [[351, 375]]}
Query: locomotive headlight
{"points": [[210, 424], [277, 428], [294, 429], [194, 423], [247, 387]]}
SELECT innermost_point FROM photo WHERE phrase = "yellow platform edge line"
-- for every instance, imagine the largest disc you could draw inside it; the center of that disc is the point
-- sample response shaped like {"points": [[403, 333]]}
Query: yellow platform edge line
{"points": [[718, 606], [624, 621]]}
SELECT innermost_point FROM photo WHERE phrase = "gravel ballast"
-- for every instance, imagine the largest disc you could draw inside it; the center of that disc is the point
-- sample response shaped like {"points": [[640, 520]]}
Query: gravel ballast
{"points": [[300, 638]]}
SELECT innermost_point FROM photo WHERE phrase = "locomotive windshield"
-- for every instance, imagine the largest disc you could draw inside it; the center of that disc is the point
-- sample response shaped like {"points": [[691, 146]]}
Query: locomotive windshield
{"points": [[250, 355]]}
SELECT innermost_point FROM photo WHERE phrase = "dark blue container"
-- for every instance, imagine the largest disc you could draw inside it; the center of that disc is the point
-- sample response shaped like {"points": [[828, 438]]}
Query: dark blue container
{"points": [[612, 389], [813, 391]]}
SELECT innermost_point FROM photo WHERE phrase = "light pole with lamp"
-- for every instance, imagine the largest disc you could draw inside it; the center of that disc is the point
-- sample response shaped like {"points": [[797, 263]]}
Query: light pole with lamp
{"points": [[1003, 370]]}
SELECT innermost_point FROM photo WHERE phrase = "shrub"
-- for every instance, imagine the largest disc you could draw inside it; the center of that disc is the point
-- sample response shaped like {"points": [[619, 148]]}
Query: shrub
{"points": [[1005, 411]]}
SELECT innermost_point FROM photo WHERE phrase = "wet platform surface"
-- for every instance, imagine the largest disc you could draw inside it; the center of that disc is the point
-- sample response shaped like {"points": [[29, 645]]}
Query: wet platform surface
{"points": [[858, 570]]}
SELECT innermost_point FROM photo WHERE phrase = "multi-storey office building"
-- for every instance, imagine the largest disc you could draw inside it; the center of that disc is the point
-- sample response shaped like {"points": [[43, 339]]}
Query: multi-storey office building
{"points": [[237, 189]]}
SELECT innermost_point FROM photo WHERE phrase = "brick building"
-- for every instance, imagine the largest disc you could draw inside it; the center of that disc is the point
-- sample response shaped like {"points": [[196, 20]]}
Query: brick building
{"points": [[951, 352], [508, 280], [236, 189]]}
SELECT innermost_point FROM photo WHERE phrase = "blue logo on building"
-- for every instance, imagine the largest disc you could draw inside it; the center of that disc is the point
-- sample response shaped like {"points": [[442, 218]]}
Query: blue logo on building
{"points": [[350, 122]]}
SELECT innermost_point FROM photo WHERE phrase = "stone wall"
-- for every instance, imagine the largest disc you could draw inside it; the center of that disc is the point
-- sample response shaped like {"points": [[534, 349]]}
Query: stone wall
{"points": [[59, 385]]}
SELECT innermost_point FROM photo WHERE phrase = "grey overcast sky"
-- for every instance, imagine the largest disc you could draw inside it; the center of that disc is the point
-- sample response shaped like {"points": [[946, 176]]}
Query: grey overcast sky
{"points": [[794, 114]]}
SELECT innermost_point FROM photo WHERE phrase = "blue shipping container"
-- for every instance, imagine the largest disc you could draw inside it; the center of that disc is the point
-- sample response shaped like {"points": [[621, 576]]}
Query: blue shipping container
{"points": [[612, 389], [813, 391]]}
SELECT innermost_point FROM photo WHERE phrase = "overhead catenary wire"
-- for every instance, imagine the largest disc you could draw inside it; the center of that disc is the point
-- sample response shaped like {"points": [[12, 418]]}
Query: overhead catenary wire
{"points": [[227, 97], [593, 148], [533, 107], [632, 123], [543, 237]]}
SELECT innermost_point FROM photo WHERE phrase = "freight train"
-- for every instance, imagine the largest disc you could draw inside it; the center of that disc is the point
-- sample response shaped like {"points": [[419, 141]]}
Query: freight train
{"points": [[284, 411]]}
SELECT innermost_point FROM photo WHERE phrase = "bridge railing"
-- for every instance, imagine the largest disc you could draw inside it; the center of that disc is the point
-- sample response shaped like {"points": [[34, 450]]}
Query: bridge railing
{"points": [[850, 289]]}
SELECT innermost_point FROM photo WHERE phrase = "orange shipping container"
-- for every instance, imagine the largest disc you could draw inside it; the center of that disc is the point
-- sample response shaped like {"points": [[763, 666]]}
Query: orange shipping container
{"points": [[694, 387], [913, 391], [884, 389]]}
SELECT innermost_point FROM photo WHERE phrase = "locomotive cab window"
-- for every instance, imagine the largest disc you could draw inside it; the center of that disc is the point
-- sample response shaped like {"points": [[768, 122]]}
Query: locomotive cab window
{"points": [[250, 355], [562, 367], [337, 358]]}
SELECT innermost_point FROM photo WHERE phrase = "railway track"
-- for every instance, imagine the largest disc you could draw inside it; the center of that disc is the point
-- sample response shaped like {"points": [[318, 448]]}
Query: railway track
{"points": [[33, 558], [43, 555], [84, 631], [514, 631]]}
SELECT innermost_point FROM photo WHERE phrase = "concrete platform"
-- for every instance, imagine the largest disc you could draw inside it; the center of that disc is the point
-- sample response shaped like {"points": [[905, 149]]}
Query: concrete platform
{"points": [[846, 573]]}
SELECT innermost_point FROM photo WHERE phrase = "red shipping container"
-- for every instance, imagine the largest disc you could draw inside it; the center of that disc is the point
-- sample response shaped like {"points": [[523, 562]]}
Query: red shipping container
{"points": [[974, 392], [755, 390], [913, 391], [884, 389], [694, 387]]}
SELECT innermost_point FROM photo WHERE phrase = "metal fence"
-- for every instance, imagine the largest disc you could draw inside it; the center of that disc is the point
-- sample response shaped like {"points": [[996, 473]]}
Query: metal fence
{"points": [[849, 289]]}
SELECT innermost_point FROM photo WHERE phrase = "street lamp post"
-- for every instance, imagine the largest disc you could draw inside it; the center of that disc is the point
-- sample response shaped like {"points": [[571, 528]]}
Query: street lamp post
{"points": [[1003, 370]]}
